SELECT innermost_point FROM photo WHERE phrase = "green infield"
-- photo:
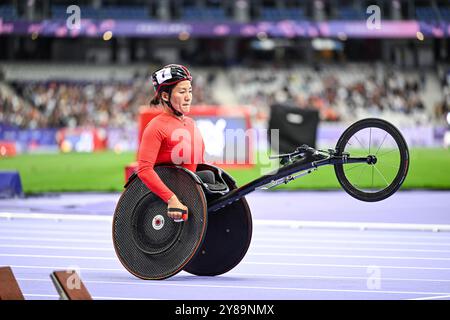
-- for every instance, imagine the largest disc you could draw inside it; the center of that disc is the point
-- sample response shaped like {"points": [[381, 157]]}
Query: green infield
{"points": [[104, 171]]}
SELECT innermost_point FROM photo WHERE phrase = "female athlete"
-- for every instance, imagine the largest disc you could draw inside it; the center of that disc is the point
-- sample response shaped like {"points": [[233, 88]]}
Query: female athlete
{"points": [[171, 137]]}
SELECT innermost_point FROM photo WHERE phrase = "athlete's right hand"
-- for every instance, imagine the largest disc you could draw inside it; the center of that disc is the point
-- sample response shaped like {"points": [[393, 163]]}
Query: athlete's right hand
{"points": [[175, 203]]}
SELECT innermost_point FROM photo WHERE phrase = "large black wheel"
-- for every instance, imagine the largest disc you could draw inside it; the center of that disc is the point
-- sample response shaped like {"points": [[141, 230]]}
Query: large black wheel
{"points": [[387, 150]]}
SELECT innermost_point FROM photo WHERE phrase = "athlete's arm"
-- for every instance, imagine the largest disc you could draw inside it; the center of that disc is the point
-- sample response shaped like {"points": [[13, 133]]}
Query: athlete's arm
{"points": [[148, 152]]}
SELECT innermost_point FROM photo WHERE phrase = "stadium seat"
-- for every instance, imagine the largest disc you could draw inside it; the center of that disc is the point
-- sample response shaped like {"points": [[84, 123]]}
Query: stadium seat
{"points": [[107, 12], [8, 12], [351, 13], [191, 13], [426, 14], [277, 14], [445, 13]]}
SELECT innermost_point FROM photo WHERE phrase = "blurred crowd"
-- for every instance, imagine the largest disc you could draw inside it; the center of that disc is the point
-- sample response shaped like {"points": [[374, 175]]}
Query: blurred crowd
{"points": [[443, 109], [59, 104], [343, 95], [346, 94]]}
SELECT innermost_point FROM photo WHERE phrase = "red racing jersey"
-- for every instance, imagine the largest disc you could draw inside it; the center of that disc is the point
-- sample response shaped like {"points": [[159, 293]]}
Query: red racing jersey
{"points": [[169, 140]]}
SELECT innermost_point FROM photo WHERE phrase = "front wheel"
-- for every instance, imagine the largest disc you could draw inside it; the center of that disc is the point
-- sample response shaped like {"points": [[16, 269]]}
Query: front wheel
{"points": [[374, 180]]}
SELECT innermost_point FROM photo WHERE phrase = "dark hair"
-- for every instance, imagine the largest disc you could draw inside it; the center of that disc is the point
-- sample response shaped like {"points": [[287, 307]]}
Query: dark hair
{"points": [[156, 100]]}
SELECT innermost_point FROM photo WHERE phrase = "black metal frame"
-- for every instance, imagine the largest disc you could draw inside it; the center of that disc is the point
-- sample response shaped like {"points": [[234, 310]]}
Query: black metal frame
{"points": [[301, 162]]}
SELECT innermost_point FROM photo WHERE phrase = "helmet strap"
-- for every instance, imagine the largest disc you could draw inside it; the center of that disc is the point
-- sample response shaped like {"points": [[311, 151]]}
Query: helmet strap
{"points": [[176, 112]]}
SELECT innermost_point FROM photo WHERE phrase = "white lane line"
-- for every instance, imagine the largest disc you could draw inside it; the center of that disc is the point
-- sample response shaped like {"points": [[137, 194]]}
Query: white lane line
{"points": [[249, 253], [255, 239], [432, 298], [40, 295], [361, 236], [66, 267], [244, 262], [288, 233], [297, 276], [280, 237], [283, 231], [241, 274], [94, 297], [273, 223], [32, 223], [7, 245], [343, 239], [353, 225], [111, 249], [270, 254], [156, 284], [288, 264], [43, 256], [20, 246], [59, 232], [273, 254], [59, 240], [264, 237], [55, 216], [123, 298], [350, 241], [347, 248]]}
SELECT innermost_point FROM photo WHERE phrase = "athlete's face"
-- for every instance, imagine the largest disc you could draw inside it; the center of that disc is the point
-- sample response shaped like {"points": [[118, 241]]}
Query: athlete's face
{"points": [[182, 96]]}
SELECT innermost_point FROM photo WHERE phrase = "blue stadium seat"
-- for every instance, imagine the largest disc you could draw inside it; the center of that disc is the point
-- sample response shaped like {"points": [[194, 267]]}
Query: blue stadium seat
{"points": [[109, 12], [276, 14], [208, 14], [351, 13], [426, 14], [124, 12], [445, 13], [8, 12]]}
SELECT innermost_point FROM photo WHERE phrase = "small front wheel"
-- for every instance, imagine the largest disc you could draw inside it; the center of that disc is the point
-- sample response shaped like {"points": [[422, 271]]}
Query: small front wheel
{"points": [[382, 175]]}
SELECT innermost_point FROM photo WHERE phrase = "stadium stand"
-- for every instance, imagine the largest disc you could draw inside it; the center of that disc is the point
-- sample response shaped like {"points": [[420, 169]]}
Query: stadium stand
{"points": [[340, 93], [106, 12], [8, 12], [276, 14]]}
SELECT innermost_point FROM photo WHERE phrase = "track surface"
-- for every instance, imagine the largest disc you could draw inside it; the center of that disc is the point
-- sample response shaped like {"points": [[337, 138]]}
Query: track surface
{"points": [[329, 257]]}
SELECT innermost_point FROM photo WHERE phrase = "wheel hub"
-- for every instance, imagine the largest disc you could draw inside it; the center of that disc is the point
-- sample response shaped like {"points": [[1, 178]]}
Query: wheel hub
{"points": [[371, 159]]}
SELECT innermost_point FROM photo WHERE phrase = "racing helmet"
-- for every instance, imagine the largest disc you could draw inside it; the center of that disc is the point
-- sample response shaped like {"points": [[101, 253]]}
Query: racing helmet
{"points": [[170, 75]]}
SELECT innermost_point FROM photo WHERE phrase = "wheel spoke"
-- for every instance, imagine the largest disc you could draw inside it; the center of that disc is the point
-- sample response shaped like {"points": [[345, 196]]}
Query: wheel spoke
{"points": [[372, 177], [386, 152], [381, 143], [359, 142], [363, 168], [389, 165], [387, 183], [359, 165]]}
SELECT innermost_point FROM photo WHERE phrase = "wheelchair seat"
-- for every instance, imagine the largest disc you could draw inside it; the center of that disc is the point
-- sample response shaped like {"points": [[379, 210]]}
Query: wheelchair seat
{"points": [[212, 183]]}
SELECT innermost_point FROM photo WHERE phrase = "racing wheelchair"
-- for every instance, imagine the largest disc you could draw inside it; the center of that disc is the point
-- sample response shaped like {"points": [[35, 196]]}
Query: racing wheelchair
{"points": [[371, 161]]}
